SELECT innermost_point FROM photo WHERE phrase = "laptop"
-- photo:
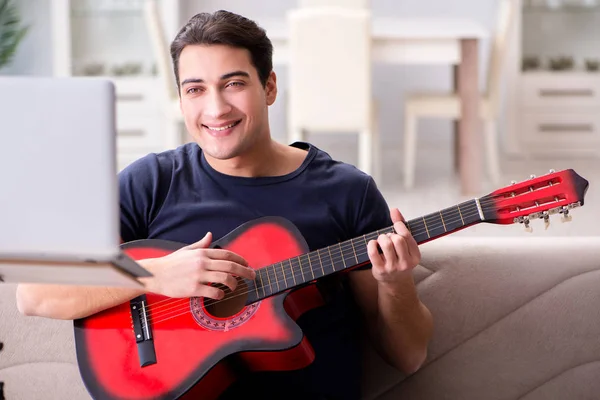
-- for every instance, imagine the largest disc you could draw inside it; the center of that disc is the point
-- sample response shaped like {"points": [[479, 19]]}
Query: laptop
{"points": [[59, 204]]}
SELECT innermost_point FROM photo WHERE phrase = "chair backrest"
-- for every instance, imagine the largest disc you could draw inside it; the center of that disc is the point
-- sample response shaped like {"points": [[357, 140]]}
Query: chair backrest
{"points": [[335, 3], [160, 47], [506, 16], [330, 69]]}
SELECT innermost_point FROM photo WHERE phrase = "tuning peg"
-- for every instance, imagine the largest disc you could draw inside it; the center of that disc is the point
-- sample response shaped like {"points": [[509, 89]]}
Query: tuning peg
{"points": [[531, 176], [566, 217], [546, 217], [565, 214], [551, 171], [528, 228], [513, 182]]}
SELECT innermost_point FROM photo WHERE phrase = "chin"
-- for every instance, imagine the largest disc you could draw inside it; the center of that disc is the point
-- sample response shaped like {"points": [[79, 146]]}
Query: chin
{"points": [[220, 153]]}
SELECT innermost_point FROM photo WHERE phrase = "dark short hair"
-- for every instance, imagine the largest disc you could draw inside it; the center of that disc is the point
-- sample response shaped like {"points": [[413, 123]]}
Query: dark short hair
{"points": [[226, 28]]}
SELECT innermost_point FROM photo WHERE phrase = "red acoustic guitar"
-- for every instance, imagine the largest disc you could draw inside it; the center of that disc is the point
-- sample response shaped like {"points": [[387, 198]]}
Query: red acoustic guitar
{"points": [[155, 347]]}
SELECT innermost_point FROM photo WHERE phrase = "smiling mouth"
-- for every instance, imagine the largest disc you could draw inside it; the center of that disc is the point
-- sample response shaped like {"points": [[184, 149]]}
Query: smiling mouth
{"points": [[222, 128]]}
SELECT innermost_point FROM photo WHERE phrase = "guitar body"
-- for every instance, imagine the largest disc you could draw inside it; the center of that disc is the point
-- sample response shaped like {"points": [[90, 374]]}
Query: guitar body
{"points": [[198, 355]]}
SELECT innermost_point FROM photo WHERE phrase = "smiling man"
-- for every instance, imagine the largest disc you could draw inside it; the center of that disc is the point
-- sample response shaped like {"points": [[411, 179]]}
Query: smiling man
{"points": [[234, 172]]}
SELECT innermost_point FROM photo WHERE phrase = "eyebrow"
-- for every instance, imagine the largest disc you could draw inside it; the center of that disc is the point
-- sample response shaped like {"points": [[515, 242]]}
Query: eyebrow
{"points": [[223, 77]]}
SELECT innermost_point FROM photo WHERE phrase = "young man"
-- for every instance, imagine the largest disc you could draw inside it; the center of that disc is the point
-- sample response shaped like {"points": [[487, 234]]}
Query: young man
{"points": [[235, 172]]}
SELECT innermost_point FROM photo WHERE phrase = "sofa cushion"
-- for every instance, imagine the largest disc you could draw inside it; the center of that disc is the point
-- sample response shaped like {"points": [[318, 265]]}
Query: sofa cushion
{"points": [[38, 358], [512, 316]]}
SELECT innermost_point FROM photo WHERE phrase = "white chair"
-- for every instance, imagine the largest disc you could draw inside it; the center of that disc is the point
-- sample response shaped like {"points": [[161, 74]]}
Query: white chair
{"points": [[162, 54], [336, 3], [448, 105], [330, 78]]}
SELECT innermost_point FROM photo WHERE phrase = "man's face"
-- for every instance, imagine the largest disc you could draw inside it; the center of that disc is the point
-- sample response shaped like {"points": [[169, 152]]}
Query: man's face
{"points": [[222, 99]]}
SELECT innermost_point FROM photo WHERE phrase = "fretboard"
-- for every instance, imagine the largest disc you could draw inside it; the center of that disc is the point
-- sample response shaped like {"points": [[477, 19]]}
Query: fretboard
{"points": [[308, 267]]}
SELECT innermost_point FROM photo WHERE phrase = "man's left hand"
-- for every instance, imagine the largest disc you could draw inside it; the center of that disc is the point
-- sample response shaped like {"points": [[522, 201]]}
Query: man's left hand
{"points": [[400, 253]]}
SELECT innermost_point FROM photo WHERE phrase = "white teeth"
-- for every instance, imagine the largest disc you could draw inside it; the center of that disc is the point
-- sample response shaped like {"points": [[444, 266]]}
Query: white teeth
{"points": [[221, 128]]}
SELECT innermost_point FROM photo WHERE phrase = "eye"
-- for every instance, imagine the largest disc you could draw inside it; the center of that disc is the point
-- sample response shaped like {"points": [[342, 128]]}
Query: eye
{"points": [[192, 90], [235, 83]]}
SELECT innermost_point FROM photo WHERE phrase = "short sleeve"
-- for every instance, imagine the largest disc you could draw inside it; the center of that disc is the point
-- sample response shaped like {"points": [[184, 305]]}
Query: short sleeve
{"points": [[140, 195], [374, 213]]}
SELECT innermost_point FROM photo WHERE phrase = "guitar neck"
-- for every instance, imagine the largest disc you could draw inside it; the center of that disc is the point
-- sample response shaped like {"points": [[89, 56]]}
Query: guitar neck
{"points": [[297, 271]]}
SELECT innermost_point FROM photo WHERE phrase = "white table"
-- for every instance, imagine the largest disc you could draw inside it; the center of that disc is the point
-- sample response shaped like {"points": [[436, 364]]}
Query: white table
{"points": [[449, 41]]}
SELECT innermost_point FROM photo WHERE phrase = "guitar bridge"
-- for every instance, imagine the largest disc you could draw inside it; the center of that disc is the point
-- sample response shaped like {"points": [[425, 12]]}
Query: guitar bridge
{"points": [[142, 330]]}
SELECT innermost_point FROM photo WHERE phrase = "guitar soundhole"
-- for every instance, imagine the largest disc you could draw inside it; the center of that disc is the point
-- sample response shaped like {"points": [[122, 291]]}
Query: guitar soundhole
{"points": [[228, 313], [231, 304]]}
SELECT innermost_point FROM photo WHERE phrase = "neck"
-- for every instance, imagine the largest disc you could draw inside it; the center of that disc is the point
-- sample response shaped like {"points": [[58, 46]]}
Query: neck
{"points": [[256, 161], [303, 269]]}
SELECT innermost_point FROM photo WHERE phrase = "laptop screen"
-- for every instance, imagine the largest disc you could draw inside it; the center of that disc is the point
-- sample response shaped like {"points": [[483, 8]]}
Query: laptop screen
{"points": [[58, 174]]}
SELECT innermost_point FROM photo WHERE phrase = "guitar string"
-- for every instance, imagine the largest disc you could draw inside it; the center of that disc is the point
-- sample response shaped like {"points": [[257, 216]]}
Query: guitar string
{"points": [[307, 258], [272, 285], [417, 232], [339, 250]]}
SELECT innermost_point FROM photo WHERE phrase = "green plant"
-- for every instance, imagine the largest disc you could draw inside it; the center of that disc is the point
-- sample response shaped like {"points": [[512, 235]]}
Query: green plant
{"points": [[11, 31]]}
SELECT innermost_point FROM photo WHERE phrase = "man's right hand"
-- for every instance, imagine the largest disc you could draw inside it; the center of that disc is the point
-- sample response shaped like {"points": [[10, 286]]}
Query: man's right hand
{"points": [[189, 271]]}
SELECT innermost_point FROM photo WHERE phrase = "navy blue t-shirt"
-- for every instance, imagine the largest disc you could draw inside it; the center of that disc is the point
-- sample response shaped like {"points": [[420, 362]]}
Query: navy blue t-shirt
{"points": [[176, 195]]}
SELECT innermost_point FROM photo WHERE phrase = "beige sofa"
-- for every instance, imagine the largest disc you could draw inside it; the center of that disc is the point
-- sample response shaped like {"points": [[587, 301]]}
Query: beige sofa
{"points": [[515, 318]]}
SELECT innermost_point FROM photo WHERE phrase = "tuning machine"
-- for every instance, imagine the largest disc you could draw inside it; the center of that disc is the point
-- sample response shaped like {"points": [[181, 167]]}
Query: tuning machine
{"points": [[525, 221], [566, 217], [546, 216]]}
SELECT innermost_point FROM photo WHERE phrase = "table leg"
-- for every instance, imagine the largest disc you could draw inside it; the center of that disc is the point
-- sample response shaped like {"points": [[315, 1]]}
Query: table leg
{"points": [[455, 141], [469, 125]]}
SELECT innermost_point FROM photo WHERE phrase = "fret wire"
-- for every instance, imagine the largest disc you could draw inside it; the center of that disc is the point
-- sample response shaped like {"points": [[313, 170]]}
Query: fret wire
{"points": [[321, 261], [269, 279], [331, 258], [308, 257], [342, 254], [310, 266], [316, 263], [301, 269], [276, 279], [262, 285], [293, 272], [283, 274], [461, 217], [354, 250], [426, 230], [443, 223]]}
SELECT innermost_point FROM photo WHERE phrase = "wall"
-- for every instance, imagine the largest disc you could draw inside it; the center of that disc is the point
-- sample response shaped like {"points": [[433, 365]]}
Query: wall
{"points": [[34, 56], [392, 82], [390, 86]]}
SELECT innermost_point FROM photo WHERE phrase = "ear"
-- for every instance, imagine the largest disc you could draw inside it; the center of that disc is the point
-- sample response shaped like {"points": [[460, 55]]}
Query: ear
{"points": [[271, 88]]}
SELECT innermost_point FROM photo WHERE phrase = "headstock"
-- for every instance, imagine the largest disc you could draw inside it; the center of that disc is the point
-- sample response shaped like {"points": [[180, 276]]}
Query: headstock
{"points": [[536, 198]]}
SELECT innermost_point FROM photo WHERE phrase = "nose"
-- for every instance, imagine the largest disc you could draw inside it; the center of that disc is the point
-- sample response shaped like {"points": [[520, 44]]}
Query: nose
{"points": [[216, 105]]}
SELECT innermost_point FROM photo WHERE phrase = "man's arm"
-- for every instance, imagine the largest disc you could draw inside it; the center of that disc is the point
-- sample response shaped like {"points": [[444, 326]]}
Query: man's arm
{"points": [[70, 301], [399, 324], [186, 272]]}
